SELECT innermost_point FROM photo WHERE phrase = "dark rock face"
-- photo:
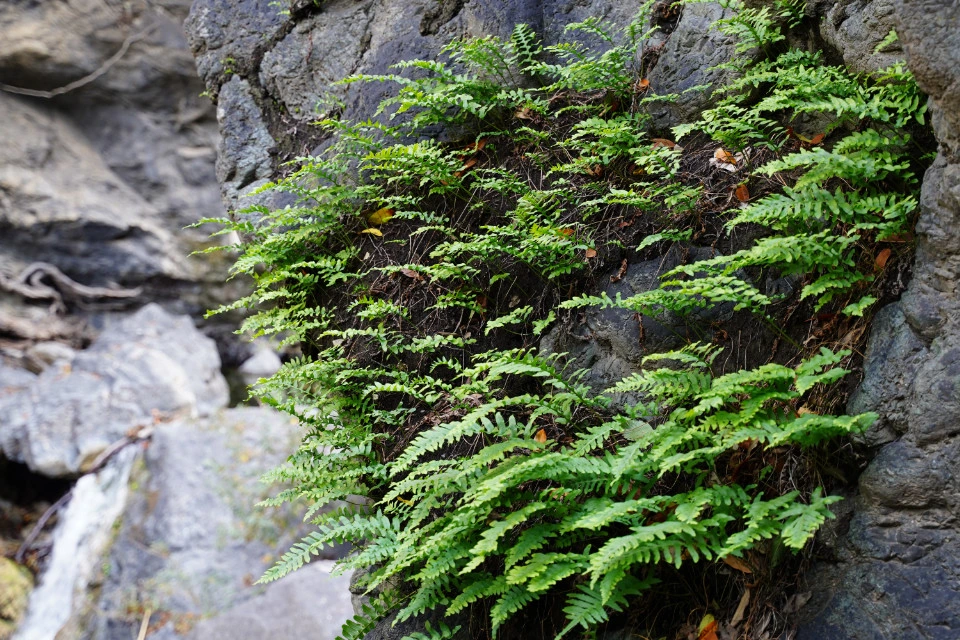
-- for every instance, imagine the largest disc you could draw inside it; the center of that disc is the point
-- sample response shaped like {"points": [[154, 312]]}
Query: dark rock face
{"points": [[855, 29], [687, 61], [273, 71], [898, 569], [897, 564], [612, 342], [91, 224]]}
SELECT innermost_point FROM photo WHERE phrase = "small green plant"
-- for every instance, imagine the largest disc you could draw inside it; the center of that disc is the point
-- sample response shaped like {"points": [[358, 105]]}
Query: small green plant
{"points": [[418, 275]]}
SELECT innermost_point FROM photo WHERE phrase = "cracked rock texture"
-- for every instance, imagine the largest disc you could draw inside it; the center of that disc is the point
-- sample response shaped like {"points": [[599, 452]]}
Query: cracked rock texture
{"points": [[897, 573], [272, 71]]}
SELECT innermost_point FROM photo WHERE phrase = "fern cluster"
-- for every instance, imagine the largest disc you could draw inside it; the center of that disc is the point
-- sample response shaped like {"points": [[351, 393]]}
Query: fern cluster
{"points": [[416, 276]]}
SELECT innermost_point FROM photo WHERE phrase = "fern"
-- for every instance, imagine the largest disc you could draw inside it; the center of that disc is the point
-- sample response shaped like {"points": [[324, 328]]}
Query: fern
{"points": [[489, 474]]}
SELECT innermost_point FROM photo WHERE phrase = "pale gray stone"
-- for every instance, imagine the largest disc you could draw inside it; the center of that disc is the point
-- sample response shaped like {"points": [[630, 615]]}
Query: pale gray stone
{"points": [[146, 367]]}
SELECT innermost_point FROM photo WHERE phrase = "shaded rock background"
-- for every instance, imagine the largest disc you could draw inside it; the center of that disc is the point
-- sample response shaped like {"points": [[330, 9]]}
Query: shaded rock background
{"points": [[109, 151]]}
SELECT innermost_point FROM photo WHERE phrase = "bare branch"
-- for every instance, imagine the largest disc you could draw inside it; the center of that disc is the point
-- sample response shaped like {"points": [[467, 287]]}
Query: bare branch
{"points": [[85, 80]]}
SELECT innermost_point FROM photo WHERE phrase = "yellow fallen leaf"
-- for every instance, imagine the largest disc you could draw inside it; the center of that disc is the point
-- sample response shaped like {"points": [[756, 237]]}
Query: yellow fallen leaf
{"points": [[381, 216], [708, 628], [541, 436], [373, 232]]}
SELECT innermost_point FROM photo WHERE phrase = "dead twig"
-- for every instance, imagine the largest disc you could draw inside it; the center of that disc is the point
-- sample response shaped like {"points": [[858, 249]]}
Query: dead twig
{"points": [[85, 80], [30, 284], [41, 523]]}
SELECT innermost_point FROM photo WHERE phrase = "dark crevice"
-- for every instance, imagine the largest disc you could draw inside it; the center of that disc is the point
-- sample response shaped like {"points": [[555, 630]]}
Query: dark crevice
{"points": [[24, 497], [438, 15]]}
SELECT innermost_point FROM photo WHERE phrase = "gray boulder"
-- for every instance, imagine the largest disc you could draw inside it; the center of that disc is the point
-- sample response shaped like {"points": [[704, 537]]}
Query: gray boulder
{"points": [[88, 223], [686, 62], [146, 367], [192, 544], [855, 28], [14, 379]]}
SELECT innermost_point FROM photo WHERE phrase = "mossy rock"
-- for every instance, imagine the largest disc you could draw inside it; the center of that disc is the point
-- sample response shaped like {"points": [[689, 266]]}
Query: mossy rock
{"points": [[15, 586]]}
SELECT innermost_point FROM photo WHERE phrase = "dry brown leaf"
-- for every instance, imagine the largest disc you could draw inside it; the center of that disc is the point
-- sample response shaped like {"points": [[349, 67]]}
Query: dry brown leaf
{"points": [[741, 609], [482, 301], [466, 166], [476, 146], [663, 142], [410, 273], [541, 436], [742, 193], [524, 113], [620, 273], [817, 139], [737, 563], [900, 237], [642, 85], [591, 253], [723, 155], [565, 232], [381, 216], [373, 232], [882, 258]]}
